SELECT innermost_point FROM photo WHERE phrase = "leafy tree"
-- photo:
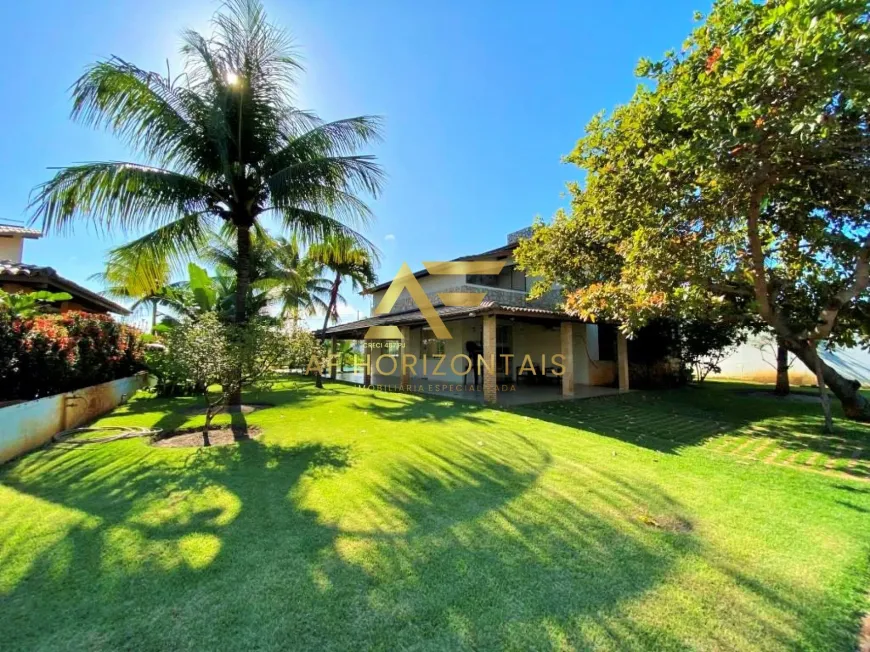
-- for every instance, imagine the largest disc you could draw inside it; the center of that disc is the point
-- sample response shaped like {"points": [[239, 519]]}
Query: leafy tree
{"points": [[222, 145], [208, 353], [303, 349], [737, 178], [669, 352], [706, 343]]}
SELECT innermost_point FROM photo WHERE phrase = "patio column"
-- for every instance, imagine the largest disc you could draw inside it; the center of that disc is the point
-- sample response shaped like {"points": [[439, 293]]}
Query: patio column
{"points": [[622, 361], [406, 341], [333, 362], [368, 361], [490, 388], [567, 351]]}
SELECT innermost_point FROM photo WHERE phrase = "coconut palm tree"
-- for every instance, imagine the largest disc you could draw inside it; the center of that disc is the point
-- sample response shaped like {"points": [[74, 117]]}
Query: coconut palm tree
{"points": [[222, 146], [348, 261], [278, 271], [297, 281], [134, 279]]}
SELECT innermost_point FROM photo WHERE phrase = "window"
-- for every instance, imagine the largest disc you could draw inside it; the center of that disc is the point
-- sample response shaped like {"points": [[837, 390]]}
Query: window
{"points": [[489, 280], [518, 280], [429, 344], [510, 278]]}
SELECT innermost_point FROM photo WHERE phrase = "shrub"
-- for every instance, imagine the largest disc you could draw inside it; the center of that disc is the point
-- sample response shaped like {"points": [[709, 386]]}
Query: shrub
{"points": [[170, 377], [49, 354], [303, 347]]}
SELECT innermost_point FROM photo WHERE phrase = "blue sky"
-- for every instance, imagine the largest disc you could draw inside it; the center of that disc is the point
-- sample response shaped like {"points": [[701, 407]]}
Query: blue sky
{"points": [[481, 100]]}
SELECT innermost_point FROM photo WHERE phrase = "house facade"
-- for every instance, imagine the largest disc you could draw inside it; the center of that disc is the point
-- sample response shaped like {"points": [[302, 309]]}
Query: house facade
{"points": [[17, 276], [518, 344]]}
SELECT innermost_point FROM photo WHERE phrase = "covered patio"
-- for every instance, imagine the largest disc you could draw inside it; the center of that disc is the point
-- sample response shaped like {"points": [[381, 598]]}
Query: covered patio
{"points": [[523, 355]]}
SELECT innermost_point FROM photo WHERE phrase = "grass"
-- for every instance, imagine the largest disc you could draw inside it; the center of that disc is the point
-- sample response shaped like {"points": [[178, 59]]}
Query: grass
{"points": [[384, 521]]}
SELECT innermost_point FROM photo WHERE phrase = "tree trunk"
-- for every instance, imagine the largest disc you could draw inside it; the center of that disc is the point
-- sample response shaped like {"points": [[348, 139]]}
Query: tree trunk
{"points": [[243, 273], [855, 406], [153, 316], [243, 284], [209, 415], [333, 299], [782, 384], [823, 394]]}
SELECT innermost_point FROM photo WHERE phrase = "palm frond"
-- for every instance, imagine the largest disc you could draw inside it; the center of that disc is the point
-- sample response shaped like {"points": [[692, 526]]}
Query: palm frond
{"points": [[144, 109], [337, 138], [132, 277], [305, 179], [256, 50], [121, 195], [167, 248], [310, 227]]}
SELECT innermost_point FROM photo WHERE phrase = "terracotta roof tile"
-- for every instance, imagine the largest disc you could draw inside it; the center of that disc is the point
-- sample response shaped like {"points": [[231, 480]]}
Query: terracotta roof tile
{"points": [[22, 273], [13, 229]]}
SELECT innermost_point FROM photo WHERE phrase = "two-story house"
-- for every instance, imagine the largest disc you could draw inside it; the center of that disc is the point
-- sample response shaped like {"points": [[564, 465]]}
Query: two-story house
{"points": [[538, 352]]}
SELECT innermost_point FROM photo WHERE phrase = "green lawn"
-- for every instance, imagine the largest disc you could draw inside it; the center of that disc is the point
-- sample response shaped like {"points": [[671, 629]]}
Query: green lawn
{"points": [[694, 519]]}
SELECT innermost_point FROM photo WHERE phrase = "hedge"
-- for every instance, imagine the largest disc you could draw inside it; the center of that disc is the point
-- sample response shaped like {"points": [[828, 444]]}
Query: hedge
{"points": [[51, 354]]}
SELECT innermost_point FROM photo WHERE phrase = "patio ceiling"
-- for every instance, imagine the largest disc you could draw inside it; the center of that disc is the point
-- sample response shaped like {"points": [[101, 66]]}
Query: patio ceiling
{"points": [[356, 329]]}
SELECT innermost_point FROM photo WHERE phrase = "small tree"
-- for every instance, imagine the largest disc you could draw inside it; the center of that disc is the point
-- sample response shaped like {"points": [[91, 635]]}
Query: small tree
{"points": [[209, 353], [706, 343]]}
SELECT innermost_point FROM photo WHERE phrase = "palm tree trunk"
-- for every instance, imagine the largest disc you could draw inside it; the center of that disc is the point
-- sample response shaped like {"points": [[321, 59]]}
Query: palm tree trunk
{"points": [[153, 315], [333, 299], [243, 284], [243, 272]]}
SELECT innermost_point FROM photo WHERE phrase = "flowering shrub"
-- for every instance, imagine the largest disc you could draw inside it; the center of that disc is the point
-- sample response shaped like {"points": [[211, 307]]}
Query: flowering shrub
{"points": [[50, 354]]}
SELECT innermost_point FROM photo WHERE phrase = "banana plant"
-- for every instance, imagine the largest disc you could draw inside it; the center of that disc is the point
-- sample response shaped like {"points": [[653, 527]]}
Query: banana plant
{"points": [[25, 305]]}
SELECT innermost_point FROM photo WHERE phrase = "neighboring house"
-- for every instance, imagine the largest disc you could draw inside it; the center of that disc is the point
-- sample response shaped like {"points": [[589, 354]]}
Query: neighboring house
{"points": [[505, 322], [16, 276]]}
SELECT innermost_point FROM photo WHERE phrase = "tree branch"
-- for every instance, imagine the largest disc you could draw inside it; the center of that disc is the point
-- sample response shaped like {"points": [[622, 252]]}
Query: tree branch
{"points": [[828, 316]]}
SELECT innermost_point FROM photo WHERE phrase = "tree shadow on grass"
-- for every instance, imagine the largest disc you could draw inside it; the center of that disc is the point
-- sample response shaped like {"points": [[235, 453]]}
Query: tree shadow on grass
{"points": [[226, 548], [668, 421], [415, 408], [169, 414], [644, 419]]}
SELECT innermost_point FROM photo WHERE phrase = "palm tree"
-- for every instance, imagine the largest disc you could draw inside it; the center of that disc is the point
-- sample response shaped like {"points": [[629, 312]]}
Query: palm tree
{"points": [[222, 145], [278, 272], [296, 281], [134, 279], [348, 261]]}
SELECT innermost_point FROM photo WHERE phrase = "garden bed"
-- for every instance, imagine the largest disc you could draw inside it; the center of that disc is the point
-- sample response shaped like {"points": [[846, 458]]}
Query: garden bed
{"points": [[217, 436]]}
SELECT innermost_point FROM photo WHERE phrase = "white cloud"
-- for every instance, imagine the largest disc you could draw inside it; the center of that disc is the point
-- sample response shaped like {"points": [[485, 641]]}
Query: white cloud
{"points": [[390, 237]]}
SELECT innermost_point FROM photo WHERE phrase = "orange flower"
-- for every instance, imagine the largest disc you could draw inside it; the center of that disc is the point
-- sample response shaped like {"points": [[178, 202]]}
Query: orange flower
{"points": [[713, 58]]}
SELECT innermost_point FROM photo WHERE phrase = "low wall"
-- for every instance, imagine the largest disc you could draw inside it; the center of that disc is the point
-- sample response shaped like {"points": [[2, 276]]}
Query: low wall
{"points": [[28, 425], [602, 373]]}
